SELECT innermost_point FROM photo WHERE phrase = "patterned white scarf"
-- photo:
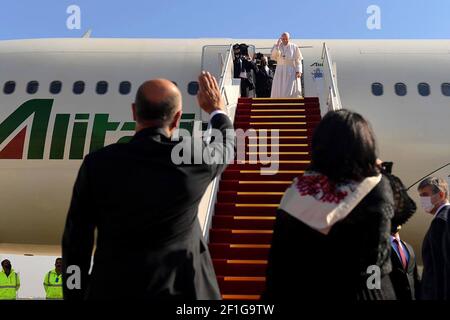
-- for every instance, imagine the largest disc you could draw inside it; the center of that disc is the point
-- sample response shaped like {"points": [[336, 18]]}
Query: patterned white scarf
{"points": [[319, 203]]}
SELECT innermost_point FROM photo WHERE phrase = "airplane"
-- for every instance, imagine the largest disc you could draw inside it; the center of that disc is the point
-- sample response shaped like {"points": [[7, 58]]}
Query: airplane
{"points": [[63, 98]]}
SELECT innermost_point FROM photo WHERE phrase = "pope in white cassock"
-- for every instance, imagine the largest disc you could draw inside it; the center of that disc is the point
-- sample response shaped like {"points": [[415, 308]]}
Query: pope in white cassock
{"points": [[286, 82]]}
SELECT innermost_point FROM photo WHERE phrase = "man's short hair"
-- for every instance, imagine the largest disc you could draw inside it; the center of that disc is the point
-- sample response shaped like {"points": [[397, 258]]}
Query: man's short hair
{"points": [[437, 185], [162, 110]]}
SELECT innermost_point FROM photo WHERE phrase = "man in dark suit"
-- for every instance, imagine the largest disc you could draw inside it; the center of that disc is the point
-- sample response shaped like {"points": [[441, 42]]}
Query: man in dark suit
{"points": [[244, 69], [404, 276], [144, 206], [264, 79], [436, 245]]}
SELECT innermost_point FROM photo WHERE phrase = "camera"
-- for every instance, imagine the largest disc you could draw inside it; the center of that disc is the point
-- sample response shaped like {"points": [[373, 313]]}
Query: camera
{"points": [[387, 167]]}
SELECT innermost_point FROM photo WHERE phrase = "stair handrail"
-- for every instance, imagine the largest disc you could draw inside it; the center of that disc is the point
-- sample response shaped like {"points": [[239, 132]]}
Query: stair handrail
{"points": [[334, 98], [226, 78], [227, 70]]}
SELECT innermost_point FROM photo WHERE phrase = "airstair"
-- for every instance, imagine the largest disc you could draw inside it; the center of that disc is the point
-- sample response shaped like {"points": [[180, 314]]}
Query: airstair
{"points": [[243, 201]]}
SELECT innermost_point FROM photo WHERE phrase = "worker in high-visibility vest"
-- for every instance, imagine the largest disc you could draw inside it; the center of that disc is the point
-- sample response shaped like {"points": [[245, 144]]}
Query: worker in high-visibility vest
{"points": [[9, 282], [53, 282]]}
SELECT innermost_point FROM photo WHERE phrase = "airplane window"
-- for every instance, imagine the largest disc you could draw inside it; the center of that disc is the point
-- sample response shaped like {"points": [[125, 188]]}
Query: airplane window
{"points": [[102, 87], [377, 89], [445, 89], [9, 87], [125, 87], [193, 88], [400, 89], [32, 87], [55, 87], [424, 89], [78, 87]]}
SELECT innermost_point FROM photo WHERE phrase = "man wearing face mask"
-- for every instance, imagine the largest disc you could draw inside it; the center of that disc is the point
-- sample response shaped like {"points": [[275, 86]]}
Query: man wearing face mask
{"points": [[436, 245], [9, 282]]}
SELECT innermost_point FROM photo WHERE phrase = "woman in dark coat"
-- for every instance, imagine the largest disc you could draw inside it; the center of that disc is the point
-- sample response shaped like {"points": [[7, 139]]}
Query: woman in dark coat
{"points": [[331, 237]]}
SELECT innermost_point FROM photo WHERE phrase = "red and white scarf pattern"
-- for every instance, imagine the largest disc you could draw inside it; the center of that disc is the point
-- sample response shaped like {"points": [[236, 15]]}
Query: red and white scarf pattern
{"points": [[320, 203]]}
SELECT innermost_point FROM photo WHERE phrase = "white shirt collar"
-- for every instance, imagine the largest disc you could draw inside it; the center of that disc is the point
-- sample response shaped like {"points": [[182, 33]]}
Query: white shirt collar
{"points": [[441, 207]]}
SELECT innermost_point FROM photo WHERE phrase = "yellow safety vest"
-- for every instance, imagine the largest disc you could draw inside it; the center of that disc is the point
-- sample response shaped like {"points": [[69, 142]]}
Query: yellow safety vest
{"points": [[53, 285], [9, 285]]}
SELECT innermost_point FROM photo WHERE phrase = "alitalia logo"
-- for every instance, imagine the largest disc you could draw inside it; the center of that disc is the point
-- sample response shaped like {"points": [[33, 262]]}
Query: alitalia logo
{"points": [[24, 133]]}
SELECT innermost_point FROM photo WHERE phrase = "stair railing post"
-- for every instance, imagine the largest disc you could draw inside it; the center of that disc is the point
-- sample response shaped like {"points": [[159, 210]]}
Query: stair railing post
{"points": [[227, 69]]}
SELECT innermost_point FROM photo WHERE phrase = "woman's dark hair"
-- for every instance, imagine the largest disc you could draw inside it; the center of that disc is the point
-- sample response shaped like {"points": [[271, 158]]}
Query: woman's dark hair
{"points": [[344, 147]]}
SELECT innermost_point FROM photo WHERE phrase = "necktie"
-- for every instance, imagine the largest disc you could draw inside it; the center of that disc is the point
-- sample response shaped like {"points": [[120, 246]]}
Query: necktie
{"points": [[401, 252]]}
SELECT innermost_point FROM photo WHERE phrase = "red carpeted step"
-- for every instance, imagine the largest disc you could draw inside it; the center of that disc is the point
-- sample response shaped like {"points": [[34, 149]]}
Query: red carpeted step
{"points": [[280, 156], [245, 211], [232, 209], [235, 185], [243, 268], [277, 118], [277, 138], [249, 197], [259, 166], [257, 174], [271, 161], [258, 133], [241, 285], [280, 132], [267, 153], [272, 147], [275, 144], [243, 222], [276, 125], [278, 100], [268, 112], [239, 251], [284, 110], [305, 106], [240, 236]]}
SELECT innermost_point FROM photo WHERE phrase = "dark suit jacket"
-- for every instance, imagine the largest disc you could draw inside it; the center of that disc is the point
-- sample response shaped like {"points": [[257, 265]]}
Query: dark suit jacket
{"points": [[264, 81], [405, 282], [247, 66], [144, 208], [436, 258]]}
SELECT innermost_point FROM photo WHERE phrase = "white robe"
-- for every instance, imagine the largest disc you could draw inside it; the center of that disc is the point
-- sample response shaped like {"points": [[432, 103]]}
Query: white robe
{"points": [[289, 61]]}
